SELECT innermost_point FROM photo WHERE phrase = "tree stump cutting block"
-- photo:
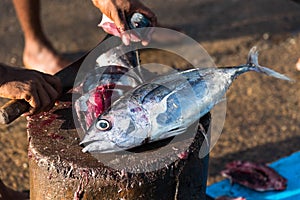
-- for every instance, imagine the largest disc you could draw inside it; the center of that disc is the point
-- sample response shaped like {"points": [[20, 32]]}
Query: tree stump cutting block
{"points": [[160, 170]]}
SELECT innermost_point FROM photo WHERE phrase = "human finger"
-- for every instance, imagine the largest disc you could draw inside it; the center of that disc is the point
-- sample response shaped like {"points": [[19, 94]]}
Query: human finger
{"points": [[121, 24], [34, 101], [145, 33], [52, 95], [109, 26], [55, 82], [44, 98], [148, 36]]}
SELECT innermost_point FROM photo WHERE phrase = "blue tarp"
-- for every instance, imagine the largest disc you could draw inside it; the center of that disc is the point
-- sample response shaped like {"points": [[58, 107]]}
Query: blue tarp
{"points": [[288, 167]]}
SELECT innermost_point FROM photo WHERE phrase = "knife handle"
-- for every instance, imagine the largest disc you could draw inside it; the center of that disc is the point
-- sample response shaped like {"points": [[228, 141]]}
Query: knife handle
{"points": [[12, 110], [138, 20]]}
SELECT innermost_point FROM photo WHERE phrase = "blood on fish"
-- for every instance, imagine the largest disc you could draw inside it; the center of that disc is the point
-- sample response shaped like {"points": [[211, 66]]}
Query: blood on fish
{"points": [[183, 155], [100, 100]]}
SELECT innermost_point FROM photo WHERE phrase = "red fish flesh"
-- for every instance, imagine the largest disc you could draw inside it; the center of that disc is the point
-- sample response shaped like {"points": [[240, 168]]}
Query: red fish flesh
{"points": [[255, 176]]}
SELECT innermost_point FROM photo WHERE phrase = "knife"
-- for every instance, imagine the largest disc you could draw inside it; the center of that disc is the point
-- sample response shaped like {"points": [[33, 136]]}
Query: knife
{"points": [[15, 108]]}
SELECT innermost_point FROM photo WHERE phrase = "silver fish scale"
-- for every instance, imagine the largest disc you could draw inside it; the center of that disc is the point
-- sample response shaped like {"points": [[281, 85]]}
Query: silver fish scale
{"points": [[178, 97], [173, 112], [156, 94], [186, 97], [153, 93], [142, 91]]}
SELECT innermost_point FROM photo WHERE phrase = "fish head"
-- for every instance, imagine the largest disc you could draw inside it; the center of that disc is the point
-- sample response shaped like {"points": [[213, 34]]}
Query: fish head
{"points": [[115, 130]]}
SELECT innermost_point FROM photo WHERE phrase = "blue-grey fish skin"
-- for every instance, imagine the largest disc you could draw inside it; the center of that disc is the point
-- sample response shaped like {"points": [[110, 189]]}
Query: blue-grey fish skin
{"points": [[166, 106]]}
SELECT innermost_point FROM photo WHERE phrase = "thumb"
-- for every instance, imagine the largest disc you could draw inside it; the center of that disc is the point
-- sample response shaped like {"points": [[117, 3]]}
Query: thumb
{"points": [[109, 26], [121, 24]]}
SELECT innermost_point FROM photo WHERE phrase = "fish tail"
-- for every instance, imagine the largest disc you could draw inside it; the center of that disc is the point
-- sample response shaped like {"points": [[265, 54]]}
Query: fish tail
{"points": [[252, 61]]}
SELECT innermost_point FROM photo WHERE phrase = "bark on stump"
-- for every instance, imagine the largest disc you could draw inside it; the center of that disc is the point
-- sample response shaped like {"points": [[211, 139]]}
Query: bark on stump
{"points": [[60, 170]]}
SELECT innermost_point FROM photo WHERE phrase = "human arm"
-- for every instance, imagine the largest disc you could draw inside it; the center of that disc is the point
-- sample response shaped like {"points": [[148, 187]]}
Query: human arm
{"points": [[38, 89], [118, 11]]}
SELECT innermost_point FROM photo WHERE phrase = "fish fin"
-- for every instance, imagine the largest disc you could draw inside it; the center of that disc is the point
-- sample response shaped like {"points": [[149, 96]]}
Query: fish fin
{"points": [[253, 61]]}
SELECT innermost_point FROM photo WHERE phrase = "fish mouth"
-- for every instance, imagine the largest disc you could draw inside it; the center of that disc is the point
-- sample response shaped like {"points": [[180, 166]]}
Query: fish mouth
{"points": [[87, 143], [93, 146]]}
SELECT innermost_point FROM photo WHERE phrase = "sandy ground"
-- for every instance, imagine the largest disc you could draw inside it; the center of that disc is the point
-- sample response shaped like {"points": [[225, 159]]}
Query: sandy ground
{"points": [[262, 118]]}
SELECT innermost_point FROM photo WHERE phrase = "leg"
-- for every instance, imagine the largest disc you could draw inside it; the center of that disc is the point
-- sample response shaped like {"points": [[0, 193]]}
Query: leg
{"points": [[38, 52], [298, 65]]}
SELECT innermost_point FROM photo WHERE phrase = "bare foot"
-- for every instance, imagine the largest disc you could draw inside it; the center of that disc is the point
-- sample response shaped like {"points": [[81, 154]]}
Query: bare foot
{"points": [[298, 65], [43, 57]]}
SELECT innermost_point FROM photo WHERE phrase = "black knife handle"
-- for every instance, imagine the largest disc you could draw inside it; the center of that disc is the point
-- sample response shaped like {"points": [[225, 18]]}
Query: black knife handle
{"points": [[138, 20], [12, 110]]}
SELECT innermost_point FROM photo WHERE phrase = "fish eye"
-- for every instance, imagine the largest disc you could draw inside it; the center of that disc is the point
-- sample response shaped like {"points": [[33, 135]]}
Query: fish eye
{"points": [[103, 125]]}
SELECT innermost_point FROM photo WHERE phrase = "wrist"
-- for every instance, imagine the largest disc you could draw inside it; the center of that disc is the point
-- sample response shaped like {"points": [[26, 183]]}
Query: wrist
{"points": [[6, 73]]}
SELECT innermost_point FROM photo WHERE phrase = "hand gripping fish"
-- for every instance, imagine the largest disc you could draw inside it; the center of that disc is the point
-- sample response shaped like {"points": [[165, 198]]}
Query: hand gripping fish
{"points": [[165, 106]]}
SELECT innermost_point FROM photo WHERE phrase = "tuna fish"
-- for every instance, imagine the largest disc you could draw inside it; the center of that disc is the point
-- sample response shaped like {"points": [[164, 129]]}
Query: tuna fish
{"points": [[165, 106]]}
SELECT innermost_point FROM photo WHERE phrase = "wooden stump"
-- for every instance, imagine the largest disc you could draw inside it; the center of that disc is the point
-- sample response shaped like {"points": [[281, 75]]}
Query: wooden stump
{"points": [[60, 170]]}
